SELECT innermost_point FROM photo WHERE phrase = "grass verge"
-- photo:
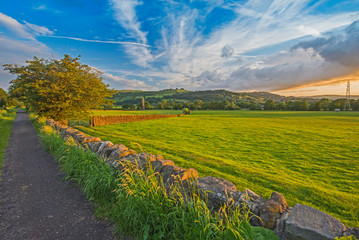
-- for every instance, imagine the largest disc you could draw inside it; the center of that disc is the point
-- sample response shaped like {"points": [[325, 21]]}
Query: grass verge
{"points": [[7, 118], [140, 206]]}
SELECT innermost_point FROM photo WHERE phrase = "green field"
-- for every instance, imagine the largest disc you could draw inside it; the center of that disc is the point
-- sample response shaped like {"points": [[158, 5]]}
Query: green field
{"points": [[309, 157]]}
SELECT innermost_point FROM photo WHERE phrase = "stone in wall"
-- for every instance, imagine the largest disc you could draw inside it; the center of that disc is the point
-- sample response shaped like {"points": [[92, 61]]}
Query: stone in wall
{"points": [[160, 163], [280, 226], [104, 145], [216, 190], [117, 154], [272, 210], [108, 150], [252, 201], [306, 223], [172, 173], [87, 139], [94, 146], [141, 160]]}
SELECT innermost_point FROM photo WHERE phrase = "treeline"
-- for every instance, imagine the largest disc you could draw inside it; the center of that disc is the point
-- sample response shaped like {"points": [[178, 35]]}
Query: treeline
{"points": [[289, 105], [183, 96], [323, 104]]}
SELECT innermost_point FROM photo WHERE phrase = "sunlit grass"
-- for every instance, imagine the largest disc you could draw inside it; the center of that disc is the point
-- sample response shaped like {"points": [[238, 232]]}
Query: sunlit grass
{"points": [[310, 157], [6, 122]]}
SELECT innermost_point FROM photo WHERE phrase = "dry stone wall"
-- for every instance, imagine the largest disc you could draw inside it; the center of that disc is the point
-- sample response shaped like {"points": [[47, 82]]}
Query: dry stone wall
{"points": [[96, 121], [289, 223]]}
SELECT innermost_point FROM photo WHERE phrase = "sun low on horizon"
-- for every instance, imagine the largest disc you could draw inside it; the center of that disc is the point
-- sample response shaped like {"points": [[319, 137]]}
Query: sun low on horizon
{"points": [[288, 47]]}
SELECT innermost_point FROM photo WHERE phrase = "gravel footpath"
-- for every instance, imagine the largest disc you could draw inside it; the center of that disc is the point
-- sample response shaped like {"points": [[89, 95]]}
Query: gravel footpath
{"points": [[35, 201]]}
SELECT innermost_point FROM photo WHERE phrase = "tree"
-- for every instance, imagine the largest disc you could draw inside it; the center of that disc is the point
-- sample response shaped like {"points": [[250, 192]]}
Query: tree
{"points": [[301, 105], [147, 105], [3, 98], [337, 104], [270, 105], [282, 106], [59, 89], [163, 105]]}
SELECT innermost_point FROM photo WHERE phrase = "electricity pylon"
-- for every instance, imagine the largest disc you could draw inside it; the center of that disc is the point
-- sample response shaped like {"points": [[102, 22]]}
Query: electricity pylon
{"points": [[347, 97]]}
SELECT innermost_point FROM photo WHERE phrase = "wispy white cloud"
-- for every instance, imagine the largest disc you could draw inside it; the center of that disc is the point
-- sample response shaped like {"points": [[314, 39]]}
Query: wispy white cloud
{"points": [[15, 27], [40, 7], [125, 15], [19, 44], [123, 83], [14, 51], [102, 41], [38, 30]]}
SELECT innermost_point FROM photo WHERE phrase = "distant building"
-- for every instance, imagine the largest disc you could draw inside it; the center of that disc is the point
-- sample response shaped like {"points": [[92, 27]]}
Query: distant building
{"points": [[337, 110]]}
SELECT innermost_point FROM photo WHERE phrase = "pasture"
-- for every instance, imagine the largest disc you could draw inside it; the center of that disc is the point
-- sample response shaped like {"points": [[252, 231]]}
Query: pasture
{"points": [[311, 158]]}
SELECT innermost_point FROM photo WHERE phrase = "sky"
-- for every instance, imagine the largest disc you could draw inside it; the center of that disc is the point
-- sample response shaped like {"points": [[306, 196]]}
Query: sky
{"points": [[289, 47]]}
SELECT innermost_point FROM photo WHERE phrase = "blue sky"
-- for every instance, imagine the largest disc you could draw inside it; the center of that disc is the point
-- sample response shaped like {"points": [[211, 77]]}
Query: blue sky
{"points": [[285, 46]]}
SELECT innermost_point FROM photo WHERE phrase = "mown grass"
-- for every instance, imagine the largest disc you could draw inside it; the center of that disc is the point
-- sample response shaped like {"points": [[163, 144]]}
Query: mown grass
{"points": [[6, 122], [309, 157], [140, 206]]}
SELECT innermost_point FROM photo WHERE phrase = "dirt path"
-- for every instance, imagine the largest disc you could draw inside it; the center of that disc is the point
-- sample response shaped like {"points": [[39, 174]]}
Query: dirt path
{"points": [[35, 202]]}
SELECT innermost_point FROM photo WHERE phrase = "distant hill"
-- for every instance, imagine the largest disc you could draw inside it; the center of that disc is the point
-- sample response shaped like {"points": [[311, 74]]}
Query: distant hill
{"points": [[181, 95]]}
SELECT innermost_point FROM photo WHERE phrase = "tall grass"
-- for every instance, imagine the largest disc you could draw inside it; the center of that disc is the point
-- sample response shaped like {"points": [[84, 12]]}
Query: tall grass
{"points": [[138, 203]]}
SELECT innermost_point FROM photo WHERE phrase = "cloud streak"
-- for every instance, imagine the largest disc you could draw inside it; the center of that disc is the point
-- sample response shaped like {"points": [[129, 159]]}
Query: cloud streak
{"points": [[125, 15], [103, 41], [15, 27]]}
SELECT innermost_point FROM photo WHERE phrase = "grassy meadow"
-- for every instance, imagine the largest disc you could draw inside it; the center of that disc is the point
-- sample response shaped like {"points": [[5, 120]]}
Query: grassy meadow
{"points": [[311, 158]]}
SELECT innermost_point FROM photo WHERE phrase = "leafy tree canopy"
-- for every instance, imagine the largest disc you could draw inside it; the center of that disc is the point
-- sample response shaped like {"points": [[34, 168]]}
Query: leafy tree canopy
{"points": [[3, 97], [59, 89]]}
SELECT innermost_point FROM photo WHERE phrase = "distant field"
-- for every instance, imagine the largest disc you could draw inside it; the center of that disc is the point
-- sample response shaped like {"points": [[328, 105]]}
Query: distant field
{"points": [[310, 157]]}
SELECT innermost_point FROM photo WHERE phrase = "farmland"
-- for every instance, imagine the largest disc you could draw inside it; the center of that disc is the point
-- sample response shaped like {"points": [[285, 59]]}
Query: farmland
{"points": [[309, 157]]}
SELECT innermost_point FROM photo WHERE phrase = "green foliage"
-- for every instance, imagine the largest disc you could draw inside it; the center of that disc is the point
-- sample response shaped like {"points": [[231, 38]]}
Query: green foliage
{"points": [[3, 98], [140, 206], [309, 157], [186, 111], [6, 122], [58, 89], [270, 105], [210, 99], [346, 238]]}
